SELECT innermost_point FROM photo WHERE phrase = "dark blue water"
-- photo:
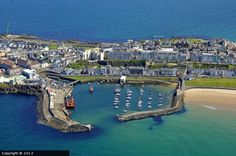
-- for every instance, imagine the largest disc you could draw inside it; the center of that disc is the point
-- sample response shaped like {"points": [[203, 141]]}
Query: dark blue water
{"points": [[116, 20]]}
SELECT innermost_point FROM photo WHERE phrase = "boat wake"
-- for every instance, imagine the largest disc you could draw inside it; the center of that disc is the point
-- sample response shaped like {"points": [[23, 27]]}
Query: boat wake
{"points": [[209, 107]]}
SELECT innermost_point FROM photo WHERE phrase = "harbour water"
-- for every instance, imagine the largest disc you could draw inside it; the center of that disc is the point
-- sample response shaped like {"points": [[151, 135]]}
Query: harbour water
{"points": [[118, 20], [196, 131]]}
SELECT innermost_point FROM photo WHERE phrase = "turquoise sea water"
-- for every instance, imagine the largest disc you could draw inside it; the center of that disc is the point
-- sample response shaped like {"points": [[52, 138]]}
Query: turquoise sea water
{"points": [[197, 131], [116, 20]]}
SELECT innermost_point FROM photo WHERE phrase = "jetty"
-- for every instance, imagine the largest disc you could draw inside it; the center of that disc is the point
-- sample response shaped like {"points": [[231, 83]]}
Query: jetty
{"points": [[50, 105], [177, 105]]}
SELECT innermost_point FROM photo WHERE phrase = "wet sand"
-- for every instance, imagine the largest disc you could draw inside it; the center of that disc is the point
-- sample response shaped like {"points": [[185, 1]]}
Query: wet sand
{"points": [[214, 99]]}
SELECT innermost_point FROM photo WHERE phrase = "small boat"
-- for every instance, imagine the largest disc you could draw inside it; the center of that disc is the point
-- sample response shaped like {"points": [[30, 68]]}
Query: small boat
{"points": [[160, 105], [117, 94], [140, 105], [150, 99], [129, 91], [149, 102], [125, 110], [127, 107], [129, 97], [117, 90], [128, 94], [127, 101], [140, 102], [116, 107], [116, 101], [127, 104], [91, 89], [117, 98], [160, 94], [149, 106]]}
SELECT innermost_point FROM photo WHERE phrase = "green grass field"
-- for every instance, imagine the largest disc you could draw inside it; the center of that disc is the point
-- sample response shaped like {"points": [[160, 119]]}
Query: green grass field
{"points": [[91, 78], [213, 82], [96, 78], [53, 46], [3, 85]]}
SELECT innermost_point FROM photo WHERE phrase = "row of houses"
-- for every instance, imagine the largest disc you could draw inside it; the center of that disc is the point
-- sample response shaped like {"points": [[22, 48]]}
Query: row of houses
{"points": [[164, 55], [118, 71], [15, 67], [212, 72]]}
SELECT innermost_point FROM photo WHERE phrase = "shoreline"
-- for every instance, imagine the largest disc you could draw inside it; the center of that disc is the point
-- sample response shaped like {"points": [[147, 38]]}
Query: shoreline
{"points": [[212, 98], [98, 41]]}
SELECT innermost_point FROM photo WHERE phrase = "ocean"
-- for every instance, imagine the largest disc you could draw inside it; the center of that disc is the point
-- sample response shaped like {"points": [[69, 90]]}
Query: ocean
{"points": [[195, 131], [119, 20]]}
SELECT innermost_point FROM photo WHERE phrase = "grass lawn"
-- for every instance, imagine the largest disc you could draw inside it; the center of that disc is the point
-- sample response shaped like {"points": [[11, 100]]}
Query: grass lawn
{"points": [[94, 78], [151, 78], [213, 82], [3, 85], [53, 46], [91, 78]]}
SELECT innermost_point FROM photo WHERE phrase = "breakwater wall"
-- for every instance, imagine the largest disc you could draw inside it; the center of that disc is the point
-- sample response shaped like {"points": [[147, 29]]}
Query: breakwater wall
{"points": [[177, 104], [45, 115]]}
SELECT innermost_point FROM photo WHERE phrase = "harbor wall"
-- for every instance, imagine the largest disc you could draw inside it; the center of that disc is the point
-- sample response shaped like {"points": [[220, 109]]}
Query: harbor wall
{"points": [[45, 117], [177, 104]]}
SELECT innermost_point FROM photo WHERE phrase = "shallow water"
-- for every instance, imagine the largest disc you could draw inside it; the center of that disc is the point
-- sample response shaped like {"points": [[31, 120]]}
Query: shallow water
{"points": [[195, 131]]}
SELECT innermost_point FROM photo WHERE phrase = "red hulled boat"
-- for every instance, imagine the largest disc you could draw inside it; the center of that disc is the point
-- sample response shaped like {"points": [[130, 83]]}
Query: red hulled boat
{"points": [[70, 102]]}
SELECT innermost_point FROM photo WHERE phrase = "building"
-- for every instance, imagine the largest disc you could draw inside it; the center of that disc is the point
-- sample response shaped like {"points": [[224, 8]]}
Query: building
{"points": [[135, 70], [28, 64], [7, 64], [29, 73], [13, 71], [23, 63]]}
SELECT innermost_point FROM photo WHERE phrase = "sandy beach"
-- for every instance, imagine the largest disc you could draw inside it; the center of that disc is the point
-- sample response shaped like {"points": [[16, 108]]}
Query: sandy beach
{"points": [[214, 99]]}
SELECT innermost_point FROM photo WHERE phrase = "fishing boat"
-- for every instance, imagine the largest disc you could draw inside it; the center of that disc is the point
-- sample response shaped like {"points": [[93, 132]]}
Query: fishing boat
{"points": [[70, 101]]}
